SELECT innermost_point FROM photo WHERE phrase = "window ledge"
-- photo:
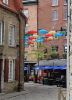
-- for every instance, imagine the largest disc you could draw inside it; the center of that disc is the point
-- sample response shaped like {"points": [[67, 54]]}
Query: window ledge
{"points": [[12, 46], [54, 5], [10, 81], [65, 4], [54, 20], [65, 19], [1, 45]]}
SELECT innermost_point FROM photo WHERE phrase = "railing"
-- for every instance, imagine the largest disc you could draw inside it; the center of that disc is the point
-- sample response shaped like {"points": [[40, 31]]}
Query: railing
{"points": [[61, 94]]}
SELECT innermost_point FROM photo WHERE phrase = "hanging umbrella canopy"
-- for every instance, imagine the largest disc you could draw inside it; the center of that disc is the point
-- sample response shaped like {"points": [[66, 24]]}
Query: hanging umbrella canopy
{"points": [[32, 38], [50, 38], [48, 35], [35, 35], [52, 32], [27, 35], [32, 32], [42, 31], [40, 39], [59, 34], [30, 42], [64, 33]]}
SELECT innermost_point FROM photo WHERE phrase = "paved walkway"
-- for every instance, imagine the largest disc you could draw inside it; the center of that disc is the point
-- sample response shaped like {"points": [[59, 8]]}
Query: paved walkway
{"points": [[33, 92]]}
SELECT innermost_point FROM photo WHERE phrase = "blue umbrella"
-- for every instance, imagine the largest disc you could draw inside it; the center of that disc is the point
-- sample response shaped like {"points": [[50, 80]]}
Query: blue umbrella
{"points": [[59, 34], [42, 31], [40, 39]]}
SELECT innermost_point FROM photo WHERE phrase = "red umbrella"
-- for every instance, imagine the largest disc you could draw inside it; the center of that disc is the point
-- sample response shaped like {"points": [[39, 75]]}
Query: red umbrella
{"points": [[32, 32], [31, 37], [30, 42], [48, 35]]}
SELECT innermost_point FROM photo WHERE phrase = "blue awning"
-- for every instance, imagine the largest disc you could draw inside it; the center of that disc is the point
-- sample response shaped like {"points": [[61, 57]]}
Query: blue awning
{"points": [[50, 67]]}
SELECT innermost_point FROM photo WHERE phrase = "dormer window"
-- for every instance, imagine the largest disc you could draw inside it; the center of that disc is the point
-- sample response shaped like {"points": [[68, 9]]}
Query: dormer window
{"points": [[5, 2]]}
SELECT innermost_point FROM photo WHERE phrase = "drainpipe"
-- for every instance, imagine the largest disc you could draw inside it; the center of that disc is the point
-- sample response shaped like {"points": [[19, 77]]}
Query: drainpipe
{"points": [[19, 83]]}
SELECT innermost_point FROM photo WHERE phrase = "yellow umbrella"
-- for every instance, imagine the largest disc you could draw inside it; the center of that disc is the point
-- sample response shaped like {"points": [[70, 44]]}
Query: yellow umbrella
{"points": [[50, 38], [35, 35], [52, 32]]}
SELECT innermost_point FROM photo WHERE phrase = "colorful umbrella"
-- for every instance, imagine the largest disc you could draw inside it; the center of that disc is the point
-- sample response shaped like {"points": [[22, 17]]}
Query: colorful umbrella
{"points": [[64, 33], [59, 34], [28, 35], [35, 35], [48, 35], [32, 32], [50, 38], [42, 31], [32, 38], [40, 39], [30, 42], [52, 32]]}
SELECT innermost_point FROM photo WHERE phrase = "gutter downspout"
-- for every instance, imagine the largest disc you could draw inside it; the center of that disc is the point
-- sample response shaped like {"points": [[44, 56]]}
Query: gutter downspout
{"points": [[19, 57]]}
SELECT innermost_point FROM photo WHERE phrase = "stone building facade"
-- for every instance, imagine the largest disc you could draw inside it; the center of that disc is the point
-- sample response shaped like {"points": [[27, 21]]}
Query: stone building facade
{"points": [[12, 24]]}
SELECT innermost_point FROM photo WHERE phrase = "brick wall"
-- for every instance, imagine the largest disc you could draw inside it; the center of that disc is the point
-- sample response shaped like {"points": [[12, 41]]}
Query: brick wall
{"points": [[45, 9]]}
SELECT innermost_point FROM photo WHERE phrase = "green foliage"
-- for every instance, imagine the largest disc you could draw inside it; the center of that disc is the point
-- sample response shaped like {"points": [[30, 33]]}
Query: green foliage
{"points": [[39, 54], [54, 55]]}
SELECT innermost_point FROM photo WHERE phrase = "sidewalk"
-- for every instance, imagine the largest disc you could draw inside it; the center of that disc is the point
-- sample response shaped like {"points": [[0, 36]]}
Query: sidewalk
{"points": [[4, 96]]}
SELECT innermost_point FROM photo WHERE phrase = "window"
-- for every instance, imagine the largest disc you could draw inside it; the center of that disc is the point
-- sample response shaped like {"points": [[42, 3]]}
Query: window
{"points": [[12, 35], [55, 15], [65, 2], [65, 13], [11, 70], [26, 13], [54, 2], [1, 32], [5, 1]]}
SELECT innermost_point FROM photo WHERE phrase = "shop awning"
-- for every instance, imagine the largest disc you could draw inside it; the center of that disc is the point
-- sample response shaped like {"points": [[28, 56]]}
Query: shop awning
{"points": [[57, 64]]}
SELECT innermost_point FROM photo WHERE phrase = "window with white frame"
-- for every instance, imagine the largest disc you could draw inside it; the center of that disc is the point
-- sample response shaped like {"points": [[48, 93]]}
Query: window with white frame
{"points": [[26, 12], [54, 2], [11, 69], [55, 15], [65, 2], [1, 32], [5, 1], [12, 35], [65, 13]]}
